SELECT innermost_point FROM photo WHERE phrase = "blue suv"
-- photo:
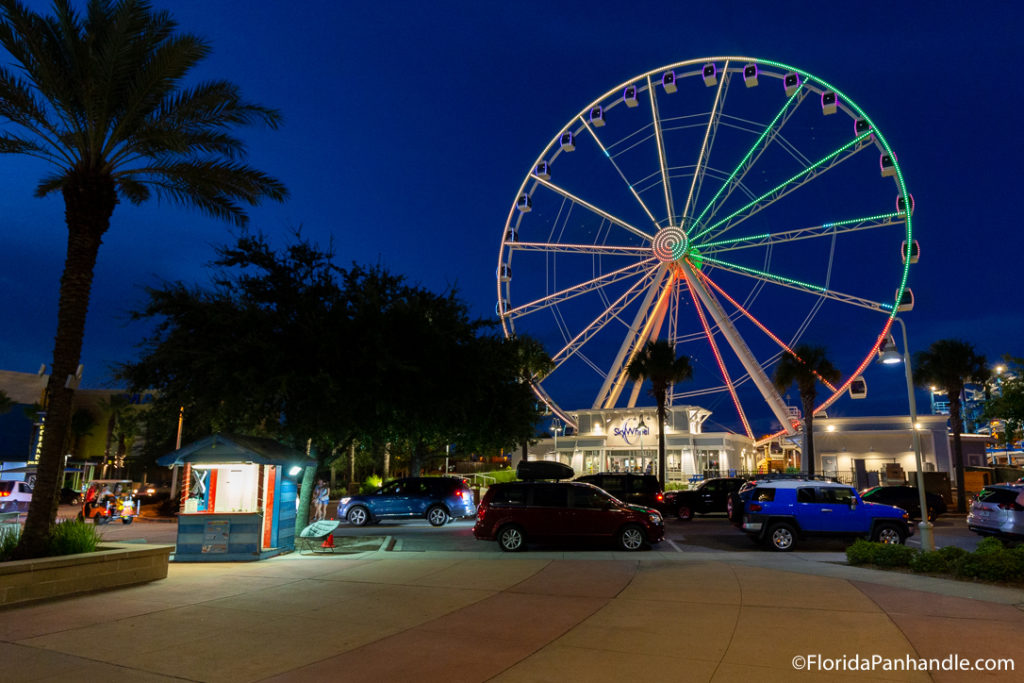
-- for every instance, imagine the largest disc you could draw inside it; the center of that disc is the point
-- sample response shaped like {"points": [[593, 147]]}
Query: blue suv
{"points": [[778, 513], [438, 499]]}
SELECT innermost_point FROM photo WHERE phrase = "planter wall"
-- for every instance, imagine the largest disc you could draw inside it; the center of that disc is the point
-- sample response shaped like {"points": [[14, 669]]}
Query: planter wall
{"points": [[112, 565]]}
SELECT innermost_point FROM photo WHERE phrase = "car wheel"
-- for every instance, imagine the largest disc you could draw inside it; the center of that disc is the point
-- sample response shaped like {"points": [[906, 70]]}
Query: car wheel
{"points": [[888, 534], [437, 516], [100, 519], [631, 538], [781, 537], [358, 516], [511, 539], [685, 513], [126, 520]]}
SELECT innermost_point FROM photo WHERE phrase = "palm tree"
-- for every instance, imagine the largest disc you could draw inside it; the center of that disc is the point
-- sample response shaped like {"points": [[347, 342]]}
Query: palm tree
{"points": [[99, 97], [658, 363], [805, 366], [949, 363]]}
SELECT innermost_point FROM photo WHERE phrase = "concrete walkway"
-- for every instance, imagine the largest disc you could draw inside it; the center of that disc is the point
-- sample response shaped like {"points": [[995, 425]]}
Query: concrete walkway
{"points": [[422, 617]]}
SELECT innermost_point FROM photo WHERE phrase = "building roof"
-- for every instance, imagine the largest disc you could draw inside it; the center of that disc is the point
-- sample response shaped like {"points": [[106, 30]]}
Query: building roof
{"points": [[236, 448]]}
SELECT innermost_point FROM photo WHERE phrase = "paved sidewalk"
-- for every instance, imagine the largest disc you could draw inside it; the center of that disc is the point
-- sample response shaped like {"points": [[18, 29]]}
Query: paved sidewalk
{"points": [[380, 616]]}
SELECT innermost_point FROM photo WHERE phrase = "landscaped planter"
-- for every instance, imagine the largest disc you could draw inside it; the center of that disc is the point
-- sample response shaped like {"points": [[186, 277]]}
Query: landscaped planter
{"points": [[111, 566]]}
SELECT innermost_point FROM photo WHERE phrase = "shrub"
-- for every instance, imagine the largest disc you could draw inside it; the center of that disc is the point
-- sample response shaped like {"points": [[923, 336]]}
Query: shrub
{"points": [[861, 552], [893, 555], [10, 534], [70, 536], [929, 563], [988, 545], [952, 554]]}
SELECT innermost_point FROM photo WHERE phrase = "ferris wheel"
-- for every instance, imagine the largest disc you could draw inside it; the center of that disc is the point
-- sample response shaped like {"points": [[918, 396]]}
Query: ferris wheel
{"points": [[731, 205]]}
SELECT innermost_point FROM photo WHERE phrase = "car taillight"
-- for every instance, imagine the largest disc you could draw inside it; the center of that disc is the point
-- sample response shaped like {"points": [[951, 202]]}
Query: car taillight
{"points": [[1006, 506], [4, 493], [661, 497], [755, 507]]}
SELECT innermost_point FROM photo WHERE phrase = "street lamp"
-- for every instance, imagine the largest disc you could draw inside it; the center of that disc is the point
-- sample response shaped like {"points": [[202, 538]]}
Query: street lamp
{"points": [[888, 355], [556, 426], [640, 427]]}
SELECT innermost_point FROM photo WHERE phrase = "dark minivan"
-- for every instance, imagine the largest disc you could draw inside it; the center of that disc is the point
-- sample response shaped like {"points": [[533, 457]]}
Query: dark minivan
{"points": [[519, 512], [638, 489]]}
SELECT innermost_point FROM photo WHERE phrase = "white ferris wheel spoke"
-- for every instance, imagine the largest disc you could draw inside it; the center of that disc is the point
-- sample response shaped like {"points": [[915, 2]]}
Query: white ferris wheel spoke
{"points": [[592, 249], [606, 316], [823, 230], [555, 298], [718, 357], [663, 307], [593, 209], [795, 182], [662, 158], [761, 326], [739, 347], [762, 143], [638, 330], [622, 175], [705, 148], [816, 290]]}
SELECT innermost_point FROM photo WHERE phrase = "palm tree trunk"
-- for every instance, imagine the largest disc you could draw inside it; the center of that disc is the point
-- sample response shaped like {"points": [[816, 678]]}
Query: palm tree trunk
{"points": [[88, 207], [809, 436], [958, 453], [662, 475]]}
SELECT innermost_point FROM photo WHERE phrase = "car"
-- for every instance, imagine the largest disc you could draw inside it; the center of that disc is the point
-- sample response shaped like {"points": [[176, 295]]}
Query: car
{"points": [[998, 510], [14, 496], [711, 495], [521, 512], [906, 497], [778, 513], [637, 489], [437, 499]]}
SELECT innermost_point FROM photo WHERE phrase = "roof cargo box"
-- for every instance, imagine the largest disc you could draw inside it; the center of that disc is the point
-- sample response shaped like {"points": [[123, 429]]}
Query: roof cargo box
{"points": [[543, 469]]}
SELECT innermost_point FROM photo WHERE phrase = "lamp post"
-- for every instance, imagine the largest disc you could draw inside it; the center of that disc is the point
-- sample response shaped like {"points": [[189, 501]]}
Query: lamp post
{"points": [[640, 427], [889, 356], [556, 426]]}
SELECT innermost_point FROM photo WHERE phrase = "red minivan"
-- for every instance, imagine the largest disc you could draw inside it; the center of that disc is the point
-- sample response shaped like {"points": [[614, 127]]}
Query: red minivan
{"points": [[520, 512]]}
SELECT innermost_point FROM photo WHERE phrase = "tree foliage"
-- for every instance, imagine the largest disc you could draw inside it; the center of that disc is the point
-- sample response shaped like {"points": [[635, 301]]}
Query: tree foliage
{"points": [[1008, 405], [806, 366], [287, 344], [949, 363], [100, 97]]}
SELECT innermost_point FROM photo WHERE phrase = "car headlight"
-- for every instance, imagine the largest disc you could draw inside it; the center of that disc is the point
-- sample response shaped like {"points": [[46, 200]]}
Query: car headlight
{"points": [[655, 518], [344, 501]]}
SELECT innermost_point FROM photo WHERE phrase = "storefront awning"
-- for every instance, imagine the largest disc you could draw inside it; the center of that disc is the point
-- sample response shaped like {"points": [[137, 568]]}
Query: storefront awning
{"points": [[236, 448]]}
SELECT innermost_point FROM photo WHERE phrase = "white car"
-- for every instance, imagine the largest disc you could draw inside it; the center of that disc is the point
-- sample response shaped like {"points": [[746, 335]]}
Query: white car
{"points": [[14, 495]]}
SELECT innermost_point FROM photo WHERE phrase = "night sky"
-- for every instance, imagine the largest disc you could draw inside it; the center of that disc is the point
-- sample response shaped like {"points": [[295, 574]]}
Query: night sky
{"points": [[408, 128]]}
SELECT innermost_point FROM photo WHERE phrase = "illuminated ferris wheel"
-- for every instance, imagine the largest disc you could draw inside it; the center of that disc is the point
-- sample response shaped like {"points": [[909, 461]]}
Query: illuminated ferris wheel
{"points": [[733, 206]]}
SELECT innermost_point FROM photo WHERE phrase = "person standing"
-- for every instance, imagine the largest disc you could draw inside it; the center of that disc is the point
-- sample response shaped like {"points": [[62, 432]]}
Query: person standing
{"points": [[321, 494]]}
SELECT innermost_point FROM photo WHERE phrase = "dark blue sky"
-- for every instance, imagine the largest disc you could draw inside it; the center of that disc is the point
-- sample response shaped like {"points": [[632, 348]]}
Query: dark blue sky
{"points": [[409, 127]]}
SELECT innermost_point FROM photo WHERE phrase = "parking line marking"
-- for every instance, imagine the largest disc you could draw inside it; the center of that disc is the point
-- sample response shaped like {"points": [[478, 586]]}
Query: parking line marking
{"points": [[673, 544]]}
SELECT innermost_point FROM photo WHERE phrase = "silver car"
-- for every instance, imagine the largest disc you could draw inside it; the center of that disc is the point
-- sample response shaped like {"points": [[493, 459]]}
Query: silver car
{"points": [[998, 511]]}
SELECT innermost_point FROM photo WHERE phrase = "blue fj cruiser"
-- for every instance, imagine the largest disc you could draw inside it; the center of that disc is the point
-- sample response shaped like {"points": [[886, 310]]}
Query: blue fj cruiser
{"points": [[778, 513]]}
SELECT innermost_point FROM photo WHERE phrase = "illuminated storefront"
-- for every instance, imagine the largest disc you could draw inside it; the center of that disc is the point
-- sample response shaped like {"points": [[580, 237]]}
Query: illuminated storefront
{"points": [[626, 440]]}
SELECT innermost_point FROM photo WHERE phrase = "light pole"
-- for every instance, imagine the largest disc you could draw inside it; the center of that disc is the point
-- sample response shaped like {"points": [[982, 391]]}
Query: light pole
{"points": [[556, 426], [890, 356], [640, 427]]}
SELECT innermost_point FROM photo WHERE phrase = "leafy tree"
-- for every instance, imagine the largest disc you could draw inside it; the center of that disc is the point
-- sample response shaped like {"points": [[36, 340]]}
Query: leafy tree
{"points": [[949, 363], [806, 366], [657, 362], [1008, 406], [532, 364], [100, 98]]}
